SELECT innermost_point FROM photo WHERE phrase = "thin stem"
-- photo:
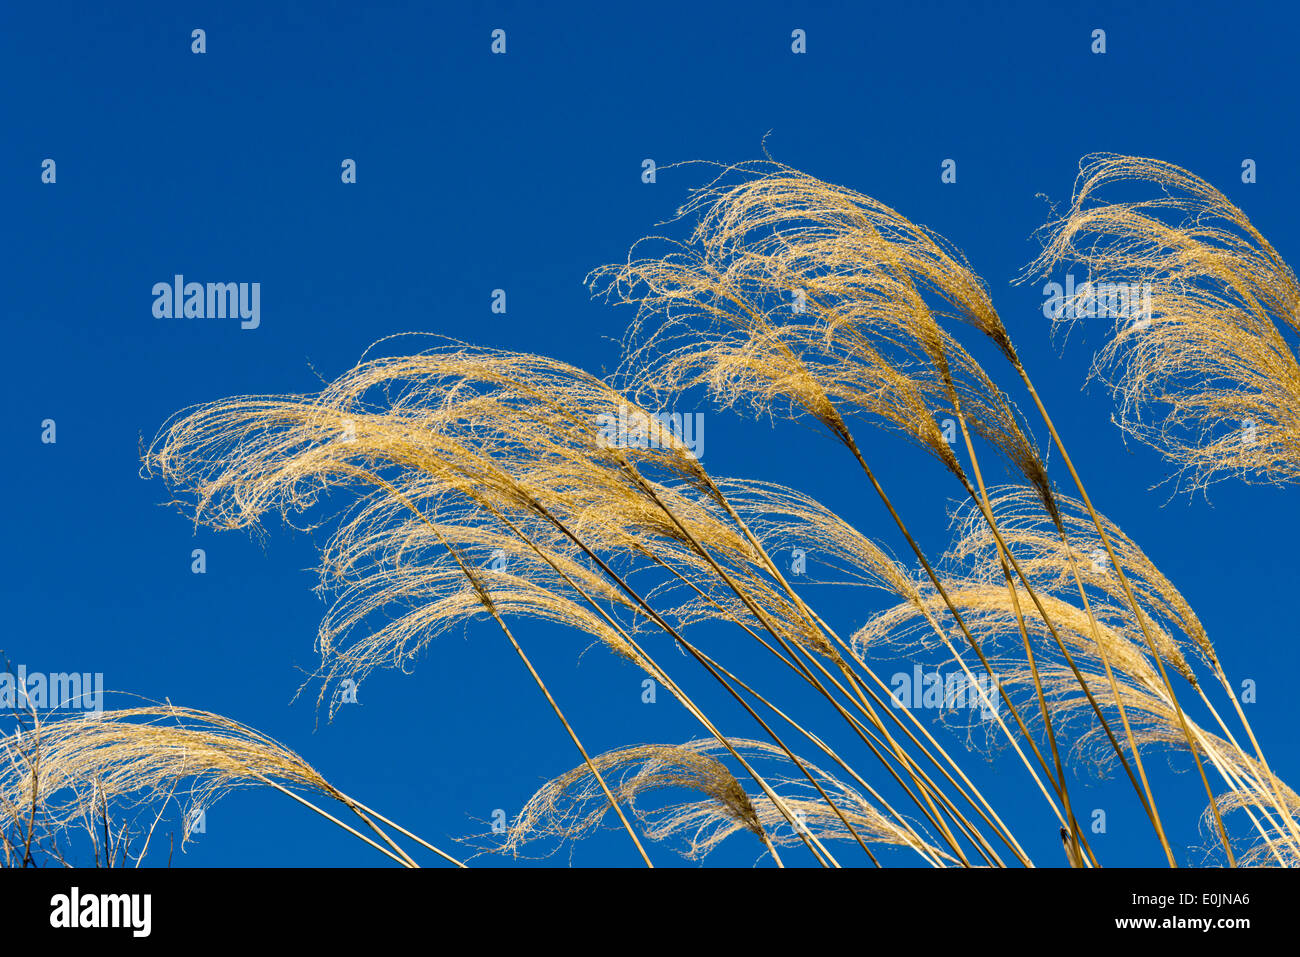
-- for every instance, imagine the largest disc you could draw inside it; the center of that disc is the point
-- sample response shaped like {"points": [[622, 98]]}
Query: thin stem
{"points": [[330, 817], [397, 827]]}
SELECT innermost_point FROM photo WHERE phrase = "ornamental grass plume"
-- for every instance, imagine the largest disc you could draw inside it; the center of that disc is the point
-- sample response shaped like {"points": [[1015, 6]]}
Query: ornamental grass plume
{"points": [[793, 294], [570, 806], [69, 773], [1051, 561], [453, 450], [1205, 371], [517, 469]]}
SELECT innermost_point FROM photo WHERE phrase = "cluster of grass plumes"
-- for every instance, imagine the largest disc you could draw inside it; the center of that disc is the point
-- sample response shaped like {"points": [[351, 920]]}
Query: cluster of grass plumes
{"points": [[1103, 639], [457, 454], [1205, 369], [1148, 715], [571, 806], [794, 295], [1052, 560], [481, 485], [1100, 622], [499, 463], [115, 775], [768, 226], [474, 456], [1270, 807]]}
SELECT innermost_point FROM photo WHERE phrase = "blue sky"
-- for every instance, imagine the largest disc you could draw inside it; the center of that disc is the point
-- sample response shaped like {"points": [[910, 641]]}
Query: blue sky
{"points": [[522, 172]]}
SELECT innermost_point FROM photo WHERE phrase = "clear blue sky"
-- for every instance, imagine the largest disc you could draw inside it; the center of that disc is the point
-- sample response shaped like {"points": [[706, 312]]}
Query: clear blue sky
{"points": [[522, 172]]}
